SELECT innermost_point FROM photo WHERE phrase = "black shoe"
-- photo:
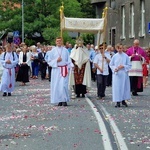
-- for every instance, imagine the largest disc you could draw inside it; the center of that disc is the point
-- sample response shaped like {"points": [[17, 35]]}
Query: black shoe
{"points": [[124, 103], [103, 95], [64, 103], [83, 95], [60, 104], [4, 94], [9, 94], [118, 104], [134, 94], [78, 95]]}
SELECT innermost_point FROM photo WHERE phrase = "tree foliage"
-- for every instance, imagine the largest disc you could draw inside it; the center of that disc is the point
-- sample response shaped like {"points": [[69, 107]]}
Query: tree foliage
{"points": [[40, 16]]}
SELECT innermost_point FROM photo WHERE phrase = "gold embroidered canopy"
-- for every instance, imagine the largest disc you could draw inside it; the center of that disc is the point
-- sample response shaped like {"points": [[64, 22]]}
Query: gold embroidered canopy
{"points": [[86, 25], [82, 24]]}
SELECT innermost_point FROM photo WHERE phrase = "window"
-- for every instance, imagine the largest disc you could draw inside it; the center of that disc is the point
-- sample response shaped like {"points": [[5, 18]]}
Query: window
{"points": [[131, 33], [113, 4], [123, 22], [142, 19]]}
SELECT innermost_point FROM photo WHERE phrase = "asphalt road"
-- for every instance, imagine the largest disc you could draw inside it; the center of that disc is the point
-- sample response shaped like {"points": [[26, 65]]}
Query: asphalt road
{"points": [[132, 122], [29, 122]]}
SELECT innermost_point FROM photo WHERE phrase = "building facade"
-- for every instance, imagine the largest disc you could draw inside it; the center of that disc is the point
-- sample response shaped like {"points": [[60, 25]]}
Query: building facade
{"points": [[127, 20]]}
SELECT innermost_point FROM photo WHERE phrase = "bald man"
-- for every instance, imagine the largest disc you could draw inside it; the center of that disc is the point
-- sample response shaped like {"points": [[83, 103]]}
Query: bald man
{"points": [[137, 56]]}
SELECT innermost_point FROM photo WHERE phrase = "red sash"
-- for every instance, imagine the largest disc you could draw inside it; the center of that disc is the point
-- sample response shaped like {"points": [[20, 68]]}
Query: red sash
{"points": [[9, 71], [64, 70]]}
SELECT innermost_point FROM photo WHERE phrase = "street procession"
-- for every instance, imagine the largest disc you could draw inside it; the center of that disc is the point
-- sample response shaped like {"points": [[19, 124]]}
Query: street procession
{"points": [[74, 75]]}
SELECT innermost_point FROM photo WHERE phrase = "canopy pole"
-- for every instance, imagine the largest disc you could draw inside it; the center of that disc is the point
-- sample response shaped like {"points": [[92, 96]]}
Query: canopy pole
{"points": [[105, 22], [61, 10], [104, 15], [98, 38]]}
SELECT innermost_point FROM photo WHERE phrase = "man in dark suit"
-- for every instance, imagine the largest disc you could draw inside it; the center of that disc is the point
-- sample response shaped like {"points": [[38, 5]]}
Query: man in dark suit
{"points": [[43, 64]]}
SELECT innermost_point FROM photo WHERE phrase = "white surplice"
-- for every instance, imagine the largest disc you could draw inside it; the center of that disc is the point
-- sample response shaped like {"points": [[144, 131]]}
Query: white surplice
{"points": [[8, 76], [59, 83], [120, 79]]}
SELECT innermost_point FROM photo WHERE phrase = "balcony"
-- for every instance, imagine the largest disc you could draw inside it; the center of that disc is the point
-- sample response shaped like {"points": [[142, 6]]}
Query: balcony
{"points": [[97, 1]]}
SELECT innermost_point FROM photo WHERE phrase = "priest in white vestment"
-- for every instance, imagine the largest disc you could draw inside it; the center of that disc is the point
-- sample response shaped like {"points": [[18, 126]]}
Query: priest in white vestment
{"points": [[81, 77], [60, 62], [120, 65], [9, 61]]}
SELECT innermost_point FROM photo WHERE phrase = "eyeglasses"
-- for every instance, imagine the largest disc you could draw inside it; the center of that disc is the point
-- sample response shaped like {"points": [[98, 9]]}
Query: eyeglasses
{"points": [[100, 48]]}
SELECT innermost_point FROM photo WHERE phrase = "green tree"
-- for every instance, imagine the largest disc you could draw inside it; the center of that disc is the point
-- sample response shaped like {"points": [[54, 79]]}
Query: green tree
{"points": [[40, 16], [87, 9]]}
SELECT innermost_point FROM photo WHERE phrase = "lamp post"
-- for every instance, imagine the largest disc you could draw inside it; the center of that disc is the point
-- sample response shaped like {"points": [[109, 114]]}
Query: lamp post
{"points": [[22, 20]]}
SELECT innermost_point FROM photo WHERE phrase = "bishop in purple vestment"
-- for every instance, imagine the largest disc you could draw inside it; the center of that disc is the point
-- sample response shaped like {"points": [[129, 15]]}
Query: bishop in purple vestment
{"points": [[137, 56]]}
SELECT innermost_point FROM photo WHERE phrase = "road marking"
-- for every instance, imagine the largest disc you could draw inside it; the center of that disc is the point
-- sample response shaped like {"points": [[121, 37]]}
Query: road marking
{"points": [[105, 137], [119, 138]]}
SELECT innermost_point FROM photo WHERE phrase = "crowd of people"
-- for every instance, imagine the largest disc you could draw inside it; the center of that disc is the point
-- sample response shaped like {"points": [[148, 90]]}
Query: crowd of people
{"points": [[122, 67]]}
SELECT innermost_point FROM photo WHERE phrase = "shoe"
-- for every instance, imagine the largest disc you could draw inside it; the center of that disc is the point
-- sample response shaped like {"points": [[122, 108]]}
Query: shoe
{"points": [[117, 105], [9, 94], [60, 104], [124, 103], [103, 95], [134, 94], [78, 95], [4, 94], [83, 95], [64, 103]]}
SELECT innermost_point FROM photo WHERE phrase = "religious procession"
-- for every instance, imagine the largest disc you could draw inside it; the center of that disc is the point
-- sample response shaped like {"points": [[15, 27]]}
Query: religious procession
{"points": [[85, 80], [68, 68], [73, 68]]}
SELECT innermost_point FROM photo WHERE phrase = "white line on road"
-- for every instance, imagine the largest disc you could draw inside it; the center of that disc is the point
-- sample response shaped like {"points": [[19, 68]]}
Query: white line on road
{"points": [[105, 137], [120, 140]]}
